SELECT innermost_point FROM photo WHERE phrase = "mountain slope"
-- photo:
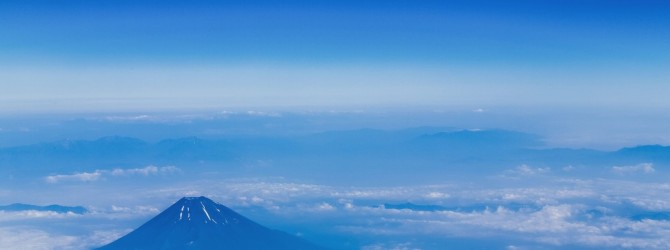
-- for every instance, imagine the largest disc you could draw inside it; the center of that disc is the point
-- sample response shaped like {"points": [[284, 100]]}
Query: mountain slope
{"points": [[200, 223]]}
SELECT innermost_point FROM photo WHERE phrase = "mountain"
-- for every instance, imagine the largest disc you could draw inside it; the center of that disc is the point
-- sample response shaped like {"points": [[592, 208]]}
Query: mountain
{"points": [[651, 153], [327, 156], [200, 223], [481, 139], [50, 208]]}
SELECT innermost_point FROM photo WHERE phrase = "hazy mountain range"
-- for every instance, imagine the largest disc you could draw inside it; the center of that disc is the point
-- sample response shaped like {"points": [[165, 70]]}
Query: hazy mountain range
{"points": [[459, 151]]}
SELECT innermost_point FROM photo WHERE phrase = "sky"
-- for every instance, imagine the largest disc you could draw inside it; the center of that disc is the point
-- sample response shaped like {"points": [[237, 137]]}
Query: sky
{"points": [[71, 56]]}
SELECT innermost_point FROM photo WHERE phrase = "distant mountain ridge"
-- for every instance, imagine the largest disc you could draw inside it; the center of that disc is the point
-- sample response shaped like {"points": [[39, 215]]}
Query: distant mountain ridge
{"points": [[485, 138], [194, 223], [433, 151], [652, 152], [50, 208]]}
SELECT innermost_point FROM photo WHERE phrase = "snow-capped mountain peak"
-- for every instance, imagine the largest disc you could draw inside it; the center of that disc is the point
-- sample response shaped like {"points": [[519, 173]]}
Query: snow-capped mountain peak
{"points": [[204, 210], [200, 223]]}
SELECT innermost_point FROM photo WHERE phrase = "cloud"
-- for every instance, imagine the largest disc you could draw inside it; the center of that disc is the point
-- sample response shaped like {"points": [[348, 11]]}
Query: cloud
{"points": [[317, 208], [112, 212], [645, 168], [34, 214], [100, 174], [525, 170], [390, 246], [568, 168], [154, 118], [261, 113], [436, 195], [83, 177], [129, 118], [34, 239], [116, 212], [554, 225], [136, 209], [149, 170], [227, 113], [101, 238], [556, 212]]}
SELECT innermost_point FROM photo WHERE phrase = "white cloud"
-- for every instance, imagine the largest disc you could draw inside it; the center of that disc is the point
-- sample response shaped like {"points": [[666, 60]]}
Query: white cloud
{"points": [[525, 170], [645, 168], [101, 238], [552, 212], [227, 113], [35, 239], [83, 177], [136, 209], [261, 113], [555, 225], [154, 118], [436, 195], [326, 207], [100, 174], [146, 171], [34, 214], [390, 246], [128, 118], [112, 212], [556, 212]]}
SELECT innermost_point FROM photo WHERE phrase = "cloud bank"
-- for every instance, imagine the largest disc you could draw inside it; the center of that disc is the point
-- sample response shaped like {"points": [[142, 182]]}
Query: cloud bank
{"points": [[100, 174], [644, 168]]}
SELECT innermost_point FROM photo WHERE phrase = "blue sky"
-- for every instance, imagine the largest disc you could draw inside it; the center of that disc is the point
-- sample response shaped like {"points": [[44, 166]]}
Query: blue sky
{"points": [[62, 55], [432, 32]]}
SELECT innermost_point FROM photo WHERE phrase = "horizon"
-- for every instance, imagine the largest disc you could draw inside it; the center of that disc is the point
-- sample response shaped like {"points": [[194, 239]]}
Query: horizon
{"points": [[563, 128]]}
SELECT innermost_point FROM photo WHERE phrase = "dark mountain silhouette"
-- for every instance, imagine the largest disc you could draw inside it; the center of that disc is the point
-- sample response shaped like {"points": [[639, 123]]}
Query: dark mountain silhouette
{"points": [[645, 153], [200, 223]]}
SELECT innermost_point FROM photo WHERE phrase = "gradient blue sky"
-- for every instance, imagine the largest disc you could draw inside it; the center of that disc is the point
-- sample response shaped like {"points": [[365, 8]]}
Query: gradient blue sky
{"points": [[106, 55]]}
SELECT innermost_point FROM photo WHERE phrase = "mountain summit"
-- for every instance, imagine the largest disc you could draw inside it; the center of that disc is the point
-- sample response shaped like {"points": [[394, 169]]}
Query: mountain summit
{"points": [[200, 223]]}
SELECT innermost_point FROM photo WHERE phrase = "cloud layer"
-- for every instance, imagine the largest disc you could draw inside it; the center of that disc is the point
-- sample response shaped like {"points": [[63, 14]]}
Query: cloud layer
{"points": [[117, 172], [523, 206], [557, 213]]}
